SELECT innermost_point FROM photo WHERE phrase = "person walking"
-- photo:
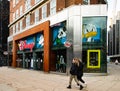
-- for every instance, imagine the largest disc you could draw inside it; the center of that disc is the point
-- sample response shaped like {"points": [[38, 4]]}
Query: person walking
{"points": [[116, 62], [80, 73], [73, 72]]}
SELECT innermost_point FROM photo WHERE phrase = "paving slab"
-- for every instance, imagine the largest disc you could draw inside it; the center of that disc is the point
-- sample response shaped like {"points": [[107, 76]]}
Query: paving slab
{"points": [[18, 79]]}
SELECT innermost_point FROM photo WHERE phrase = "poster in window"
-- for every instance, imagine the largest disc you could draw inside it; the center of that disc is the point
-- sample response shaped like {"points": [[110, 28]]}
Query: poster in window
{"points": [[59, 34], [93, 59], [39, 40], [92, 27]]}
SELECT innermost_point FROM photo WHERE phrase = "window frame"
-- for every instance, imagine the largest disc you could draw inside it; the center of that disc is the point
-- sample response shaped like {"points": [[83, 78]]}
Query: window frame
{"points": [[27, 20], [53, 7], [37, 15], [44, 11]]}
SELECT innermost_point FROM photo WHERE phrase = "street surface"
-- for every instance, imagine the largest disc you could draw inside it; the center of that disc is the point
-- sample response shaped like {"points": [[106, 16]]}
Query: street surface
{"points": [[17, 79]]}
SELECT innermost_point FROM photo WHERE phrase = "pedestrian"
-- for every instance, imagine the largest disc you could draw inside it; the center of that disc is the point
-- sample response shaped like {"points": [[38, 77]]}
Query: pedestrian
{"points": [[80, 73], [73, 73], [116, 62], [62, 64]]}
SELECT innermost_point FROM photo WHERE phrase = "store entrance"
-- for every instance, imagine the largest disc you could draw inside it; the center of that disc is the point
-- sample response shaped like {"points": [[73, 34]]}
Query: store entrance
{"points": [[58, 62], [28, 60], [20, 60], [39, 60]]}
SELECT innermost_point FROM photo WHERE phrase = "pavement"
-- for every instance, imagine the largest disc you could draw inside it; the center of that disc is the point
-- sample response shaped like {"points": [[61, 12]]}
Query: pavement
{"points": [[17, 79]]}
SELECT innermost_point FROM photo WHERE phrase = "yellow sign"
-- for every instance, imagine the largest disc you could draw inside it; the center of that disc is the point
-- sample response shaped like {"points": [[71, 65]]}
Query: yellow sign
{"points": [[93, 59]]}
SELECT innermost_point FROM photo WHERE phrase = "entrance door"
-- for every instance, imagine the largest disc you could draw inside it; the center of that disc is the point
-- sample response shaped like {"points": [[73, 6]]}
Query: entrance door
{"points": [[28, 58], [19, 60], [39, 60], [58, 60]]}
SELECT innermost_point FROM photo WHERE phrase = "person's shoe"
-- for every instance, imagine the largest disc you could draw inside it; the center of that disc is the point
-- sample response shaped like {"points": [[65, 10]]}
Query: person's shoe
{"points": [[85, 85], [69, 87], [81, 87], [78, 84]]}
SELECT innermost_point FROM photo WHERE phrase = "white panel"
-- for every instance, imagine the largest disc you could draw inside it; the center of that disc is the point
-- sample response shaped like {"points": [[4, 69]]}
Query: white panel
{"points": [[61, 16], [94, 10]]}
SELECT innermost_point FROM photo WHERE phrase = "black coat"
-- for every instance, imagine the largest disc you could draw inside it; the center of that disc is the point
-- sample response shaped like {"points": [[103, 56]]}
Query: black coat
{"points": [[80, 70], [74, 69]]}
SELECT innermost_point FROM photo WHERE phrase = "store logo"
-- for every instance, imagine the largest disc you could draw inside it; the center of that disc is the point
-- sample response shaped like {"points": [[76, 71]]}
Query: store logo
{"points": [[23, 45], [67, 44]]}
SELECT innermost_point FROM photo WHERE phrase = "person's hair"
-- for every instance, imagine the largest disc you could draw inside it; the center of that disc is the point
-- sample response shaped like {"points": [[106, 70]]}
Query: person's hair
{"points": [[76, 61]]}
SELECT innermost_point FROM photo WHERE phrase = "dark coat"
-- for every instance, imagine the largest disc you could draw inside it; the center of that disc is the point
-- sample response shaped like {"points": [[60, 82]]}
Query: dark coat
{"points": [[74, 69], [80, 70]]}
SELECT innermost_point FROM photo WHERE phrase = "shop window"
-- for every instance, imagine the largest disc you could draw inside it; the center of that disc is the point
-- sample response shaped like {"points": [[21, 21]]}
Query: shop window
{"points": [[93, 59], [92, 29], [59, 34], [39, 40]]}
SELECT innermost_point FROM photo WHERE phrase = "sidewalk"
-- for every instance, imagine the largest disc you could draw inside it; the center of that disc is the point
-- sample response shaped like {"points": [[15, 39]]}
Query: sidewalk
{"points": [[30, 80]]}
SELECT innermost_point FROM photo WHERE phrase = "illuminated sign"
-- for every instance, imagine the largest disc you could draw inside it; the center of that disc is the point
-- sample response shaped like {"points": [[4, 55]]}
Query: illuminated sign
{"points": [[23, 45], [59, 34], [93, 59], [39, 41], [92, 28]]}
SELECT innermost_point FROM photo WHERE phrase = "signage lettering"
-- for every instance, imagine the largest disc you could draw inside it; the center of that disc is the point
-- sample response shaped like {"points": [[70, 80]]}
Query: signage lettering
{"points": [[23, 45]]}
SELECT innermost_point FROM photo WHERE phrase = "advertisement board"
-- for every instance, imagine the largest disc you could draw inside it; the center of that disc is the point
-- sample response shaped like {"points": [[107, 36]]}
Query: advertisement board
{"points": [[93, 59], [39, 40], [59, 34], [92, 28]]}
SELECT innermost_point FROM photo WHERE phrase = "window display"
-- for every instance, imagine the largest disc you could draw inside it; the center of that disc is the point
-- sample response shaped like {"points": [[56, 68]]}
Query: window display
{"points": [[93, 59]]}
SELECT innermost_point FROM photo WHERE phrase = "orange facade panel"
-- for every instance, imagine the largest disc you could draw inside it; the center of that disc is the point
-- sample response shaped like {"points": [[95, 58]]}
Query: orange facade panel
{"points": [[44, 27]]}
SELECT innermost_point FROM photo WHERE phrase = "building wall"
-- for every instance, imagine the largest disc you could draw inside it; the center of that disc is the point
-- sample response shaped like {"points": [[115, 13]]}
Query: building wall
{"points": [[4, 21], [114, 44], [73, 17]]}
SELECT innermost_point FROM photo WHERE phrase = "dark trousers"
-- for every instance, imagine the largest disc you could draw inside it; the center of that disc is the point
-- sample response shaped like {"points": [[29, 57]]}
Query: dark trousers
{"points": [[80, 78]]}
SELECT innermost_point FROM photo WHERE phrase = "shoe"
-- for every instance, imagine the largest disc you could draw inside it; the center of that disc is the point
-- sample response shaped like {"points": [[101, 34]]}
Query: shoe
{"points": [[69, 87], [78, 84], [81, 87], [85, 85]]}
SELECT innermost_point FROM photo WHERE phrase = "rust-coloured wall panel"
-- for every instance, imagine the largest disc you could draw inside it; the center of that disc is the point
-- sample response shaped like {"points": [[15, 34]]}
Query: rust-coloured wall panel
{"points": [[46, 31]]}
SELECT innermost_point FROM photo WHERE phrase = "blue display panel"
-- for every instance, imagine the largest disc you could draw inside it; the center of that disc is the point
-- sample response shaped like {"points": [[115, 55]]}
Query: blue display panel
{"points": [[92, 27], [59, 34], [39, 40]]}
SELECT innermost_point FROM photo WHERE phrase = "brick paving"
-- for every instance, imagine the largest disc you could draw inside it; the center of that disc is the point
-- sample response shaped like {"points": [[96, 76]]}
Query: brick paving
{"points": [[17, 79]]}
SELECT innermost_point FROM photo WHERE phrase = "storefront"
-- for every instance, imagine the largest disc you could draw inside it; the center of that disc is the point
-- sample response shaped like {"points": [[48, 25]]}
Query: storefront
{"points": [[65, 36], [94, 53], [29, 45], [59, 38]]}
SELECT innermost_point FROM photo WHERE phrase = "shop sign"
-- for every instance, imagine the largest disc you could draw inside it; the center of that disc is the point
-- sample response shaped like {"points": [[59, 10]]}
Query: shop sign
{"points": [[93, 59], [39, 41], [5, 53], [59, 34], [67, 44], [23, 45], [92, 28]]}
